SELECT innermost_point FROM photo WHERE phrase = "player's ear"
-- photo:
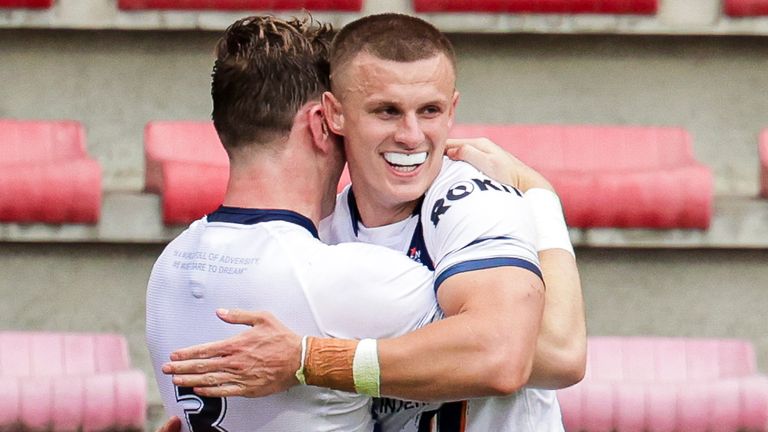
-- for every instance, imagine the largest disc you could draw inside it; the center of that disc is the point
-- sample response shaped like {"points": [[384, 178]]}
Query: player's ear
{"points": [[452, 110], [317, 126], [333, 115]]}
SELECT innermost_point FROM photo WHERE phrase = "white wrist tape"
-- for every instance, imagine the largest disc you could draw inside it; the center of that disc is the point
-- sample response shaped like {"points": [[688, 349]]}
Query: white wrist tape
{"points": [[365, 368], [300, 372], [552, 232]]}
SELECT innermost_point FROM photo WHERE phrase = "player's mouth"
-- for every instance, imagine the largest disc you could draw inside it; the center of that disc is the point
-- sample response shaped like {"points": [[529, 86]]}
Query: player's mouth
{"points": [[405, 162]]}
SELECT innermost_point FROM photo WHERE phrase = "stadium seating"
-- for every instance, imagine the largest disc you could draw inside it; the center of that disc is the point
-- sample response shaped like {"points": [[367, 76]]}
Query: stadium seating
{"points": [[654, 384], [763, 151], [622, 177], [68, 382], [187, 166], [745, 8], [46, 174], [226, 5], [640, 7], [30, 4]]}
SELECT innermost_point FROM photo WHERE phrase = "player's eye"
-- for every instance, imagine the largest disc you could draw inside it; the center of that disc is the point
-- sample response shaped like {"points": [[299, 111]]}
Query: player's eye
{"points": [[387, 112], [431, 111]]}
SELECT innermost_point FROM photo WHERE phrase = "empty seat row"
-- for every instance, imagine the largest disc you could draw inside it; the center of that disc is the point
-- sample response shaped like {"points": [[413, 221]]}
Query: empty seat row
{"points": [[624, 176], [68, 382], [46, 175], [607, 176], [733, 8], [655, 384]]}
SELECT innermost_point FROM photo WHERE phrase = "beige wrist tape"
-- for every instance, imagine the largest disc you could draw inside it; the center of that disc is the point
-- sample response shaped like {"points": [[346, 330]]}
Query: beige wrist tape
{"points": [[329, 363], [365, 368], [552, 232]]}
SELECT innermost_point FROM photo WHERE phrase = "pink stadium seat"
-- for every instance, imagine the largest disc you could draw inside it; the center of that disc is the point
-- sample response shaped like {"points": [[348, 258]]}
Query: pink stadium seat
{"points": [[624, 177], [641, 7], [187, 165], [629, 387], [226, 5], [89, 384], [25, 354], [46, 174], [763, 151], [744, 8], [29, 4]]}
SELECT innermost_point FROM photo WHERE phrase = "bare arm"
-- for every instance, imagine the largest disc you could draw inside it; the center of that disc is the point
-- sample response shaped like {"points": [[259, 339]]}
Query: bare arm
{"points": [[484, 348], [561, 348], [451, 370]]}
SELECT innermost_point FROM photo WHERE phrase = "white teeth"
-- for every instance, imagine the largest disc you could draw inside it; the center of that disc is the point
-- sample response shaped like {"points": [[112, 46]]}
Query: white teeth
{"points": [[410, 160]]}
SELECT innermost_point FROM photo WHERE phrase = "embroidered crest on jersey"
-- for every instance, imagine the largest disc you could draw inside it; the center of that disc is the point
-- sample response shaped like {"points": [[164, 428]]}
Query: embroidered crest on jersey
{"points": [[463, 189]]}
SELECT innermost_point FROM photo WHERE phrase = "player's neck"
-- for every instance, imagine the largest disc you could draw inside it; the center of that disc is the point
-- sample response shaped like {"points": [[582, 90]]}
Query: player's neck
{"points": [[377, 212], [274, 184]]}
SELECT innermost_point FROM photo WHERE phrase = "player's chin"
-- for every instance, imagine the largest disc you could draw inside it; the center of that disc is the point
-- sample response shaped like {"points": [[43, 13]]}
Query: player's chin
{"points": [[407, 191]]}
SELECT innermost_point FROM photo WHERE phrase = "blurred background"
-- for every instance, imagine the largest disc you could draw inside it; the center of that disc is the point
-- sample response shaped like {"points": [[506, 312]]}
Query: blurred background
{"points": [[113, 66]]}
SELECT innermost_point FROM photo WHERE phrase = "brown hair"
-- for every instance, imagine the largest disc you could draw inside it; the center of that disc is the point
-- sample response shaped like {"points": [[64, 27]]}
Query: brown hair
{"points": [[389, 36], [265, 70]]}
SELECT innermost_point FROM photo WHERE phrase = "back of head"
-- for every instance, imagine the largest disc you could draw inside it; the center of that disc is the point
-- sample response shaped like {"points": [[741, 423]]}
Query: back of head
{"points": [[266, 69], [389, 36]]}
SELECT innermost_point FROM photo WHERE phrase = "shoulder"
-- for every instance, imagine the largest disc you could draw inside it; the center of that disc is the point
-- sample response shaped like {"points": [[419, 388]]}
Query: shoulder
{"points": [[460, 190], [361, 290]]}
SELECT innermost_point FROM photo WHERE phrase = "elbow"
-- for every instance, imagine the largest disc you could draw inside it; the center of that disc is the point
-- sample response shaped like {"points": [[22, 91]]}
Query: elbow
{"points": [[508, 375], [572, 365], [573, 373]]}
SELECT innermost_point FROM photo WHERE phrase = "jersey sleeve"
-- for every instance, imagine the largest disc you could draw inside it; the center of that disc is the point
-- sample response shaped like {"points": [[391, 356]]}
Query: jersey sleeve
{"points": [[381, 293], [471, 223]]}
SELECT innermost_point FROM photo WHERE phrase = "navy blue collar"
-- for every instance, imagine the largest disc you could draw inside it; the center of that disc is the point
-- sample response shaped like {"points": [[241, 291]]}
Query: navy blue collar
{"points": [[354, 213], [250, 216]]}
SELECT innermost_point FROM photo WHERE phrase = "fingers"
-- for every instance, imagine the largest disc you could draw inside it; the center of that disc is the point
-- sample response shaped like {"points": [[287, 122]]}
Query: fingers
{"points": [[483, 144], [225, 390], [203, 380], [193, 366], [204, 351], [467, 152], [239, 316], [172, 425]]}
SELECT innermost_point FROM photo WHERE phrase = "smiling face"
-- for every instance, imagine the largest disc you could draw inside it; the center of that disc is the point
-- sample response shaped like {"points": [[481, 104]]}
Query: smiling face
{"points": [[395, 118]]}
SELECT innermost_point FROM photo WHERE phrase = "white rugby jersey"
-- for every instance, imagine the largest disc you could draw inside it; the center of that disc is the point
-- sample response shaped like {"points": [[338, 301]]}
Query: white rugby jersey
{"points": [[271, 260], [465, 222]]}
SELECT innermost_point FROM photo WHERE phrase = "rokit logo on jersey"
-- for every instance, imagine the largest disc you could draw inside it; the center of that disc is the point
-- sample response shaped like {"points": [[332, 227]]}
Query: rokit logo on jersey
{"points": [[463, 189]]}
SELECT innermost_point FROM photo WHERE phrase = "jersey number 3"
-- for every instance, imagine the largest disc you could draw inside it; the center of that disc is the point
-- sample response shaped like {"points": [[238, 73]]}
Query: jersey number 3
{"points": [[208, 413]]}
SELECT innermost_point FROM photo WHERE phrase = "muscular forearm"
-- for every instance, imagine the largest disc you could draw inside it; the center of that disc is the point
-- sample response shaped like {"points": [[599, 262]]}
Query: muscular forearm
{"points": [[560, 358], [455, 358], [485, 348]]}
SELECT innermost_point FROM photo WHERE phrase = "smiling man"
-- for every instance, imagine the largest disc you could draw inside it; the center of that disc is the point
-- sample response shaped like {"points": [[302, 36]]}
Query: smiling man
{"points": [[393, 100], [395, 118]]}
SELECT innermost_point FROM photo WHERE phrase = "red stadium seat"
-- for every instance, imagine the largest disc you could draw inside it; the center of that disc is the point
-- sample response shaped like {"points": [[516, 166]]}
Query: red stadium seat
{"points": [[69, 381], [623, 177], [711, 385], [639, 7], [46, 174], [27, 4], [744, 8], [228, 5], [763, 151], [187, 165]]}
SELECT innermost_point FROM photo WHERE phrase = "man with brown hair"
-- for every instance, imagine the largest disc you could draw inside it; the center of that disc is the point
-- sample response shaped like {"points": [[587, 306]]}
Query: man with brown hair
{"points": [[259, 250], [393, 101]]}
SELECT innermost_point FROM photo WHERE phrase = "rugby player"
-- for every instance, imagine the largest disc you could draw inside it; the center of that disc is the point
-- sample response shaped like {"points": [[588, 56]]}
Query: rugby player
{"points": [[393, 101], [260, 250]]}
